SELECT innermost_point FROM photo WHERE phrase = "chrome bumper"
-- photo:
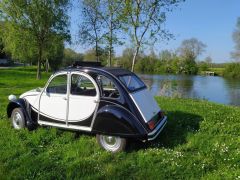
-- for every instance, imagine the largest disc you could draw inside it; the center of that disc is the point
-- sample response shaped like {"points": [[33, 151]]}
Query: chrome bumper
{"points": [[152, 135]]}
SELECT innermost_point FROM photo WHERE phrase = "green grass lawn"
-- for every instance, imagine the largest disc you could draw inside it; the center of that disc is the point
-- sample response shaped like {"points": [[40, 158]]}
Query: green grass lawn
{"points": [[200, 141], [218, 71]]}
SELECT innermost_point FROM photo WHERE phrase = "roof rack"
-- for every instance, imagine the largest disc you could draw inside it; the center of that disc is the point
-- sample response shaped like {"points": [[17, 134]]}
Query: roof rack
{"points": [[86, 63]]}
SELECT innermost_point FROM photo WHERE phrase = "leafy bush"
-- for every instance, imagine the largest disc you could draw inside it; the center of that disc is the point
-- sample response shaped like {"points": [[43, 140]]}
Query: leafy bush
{"points": [[232, 70]]}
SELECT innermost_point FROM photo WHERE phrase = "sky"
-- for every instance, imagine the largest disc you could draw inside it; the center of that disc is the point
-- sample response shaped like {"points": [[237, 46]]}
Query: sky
{"points": [[210, 21]]}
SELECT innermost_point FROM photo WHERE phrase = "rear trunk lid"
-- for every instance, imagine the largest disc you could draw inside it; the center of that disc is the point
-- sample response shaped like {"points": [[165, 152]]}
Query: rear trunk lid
{"points": [[145, 103]]}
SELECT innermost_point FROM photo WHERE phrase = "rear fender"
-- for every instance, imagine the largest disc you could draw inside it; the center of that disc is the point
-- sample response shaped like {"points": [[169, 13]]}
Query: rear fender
{"points": [[115, 120]]}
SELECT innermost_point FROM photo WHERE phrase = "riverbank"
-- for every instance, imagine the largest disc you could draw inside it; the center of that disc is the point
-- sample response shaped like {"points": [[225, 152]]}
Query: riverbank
{"points": [[214, 71], [201, 140]]}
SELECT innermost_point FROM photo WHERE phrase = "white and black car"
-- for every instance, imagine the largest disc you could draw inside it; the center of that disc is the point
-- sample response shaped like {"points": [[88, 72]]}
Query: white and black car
{"points": [[112, 103]]}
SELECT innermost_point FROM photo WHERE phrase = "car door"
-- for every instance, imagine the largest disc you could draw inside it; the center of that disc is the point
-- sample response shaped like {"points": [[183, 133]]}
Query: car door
{"points": [[53, 100], [83, 99]]}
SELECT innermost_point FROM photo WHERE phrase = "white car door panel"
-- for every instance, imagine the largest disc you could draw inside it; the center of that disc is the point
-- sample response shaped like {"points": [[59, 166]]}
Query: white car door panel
{"points": [[53, 100], [83, 97], [53, 106], [81, 107]]}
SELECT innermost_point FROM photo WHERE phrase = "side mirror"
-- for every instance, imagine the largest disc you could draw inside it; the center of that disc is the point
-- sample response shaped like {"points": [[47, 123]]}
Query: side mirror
{"points": [[39, 89]]}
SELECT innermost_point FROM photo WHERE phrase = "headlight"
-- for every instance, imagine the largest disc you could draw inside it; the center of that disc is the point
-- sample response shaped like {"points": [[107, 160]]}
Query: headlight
{"points": [[12, 97]]}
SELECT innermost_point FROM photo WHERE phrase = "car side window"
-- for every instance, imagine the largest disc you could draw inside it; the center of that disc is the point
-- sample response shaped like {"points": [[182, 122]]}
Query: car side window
{"points": [[82, 86], [109, 89], [58, 85]]}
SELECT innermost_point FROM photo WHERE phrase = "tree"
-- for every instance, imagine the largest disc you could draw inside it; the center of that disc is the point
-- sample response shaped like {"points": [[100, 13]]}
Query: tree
{"points": [[54, 54], [236, 39], [191, 48], [125, 60], [145, 19], [102, 55], [91, 28], [70, 56], [31, 25], [2, 53], [165, 55], [19, 43], [208, 60], [112, 16]]}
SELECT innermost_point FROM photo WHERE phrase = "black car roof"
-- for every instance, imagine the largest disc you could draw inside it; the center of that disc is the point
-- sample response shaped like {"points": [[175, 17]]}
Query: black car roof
{"points": [[115, 71]]}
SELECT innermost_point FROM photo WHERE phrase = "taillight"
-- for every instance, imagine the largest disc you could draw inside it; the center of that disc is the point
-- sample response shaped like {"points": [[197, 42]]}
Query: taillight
{"points": [[151, 124], [154, 121]]}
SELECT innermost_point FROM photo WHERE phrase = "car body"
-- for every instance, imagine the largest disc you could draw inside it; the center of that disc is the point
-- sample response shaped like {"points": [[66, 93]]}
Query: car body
{"points": [[111, 102]]}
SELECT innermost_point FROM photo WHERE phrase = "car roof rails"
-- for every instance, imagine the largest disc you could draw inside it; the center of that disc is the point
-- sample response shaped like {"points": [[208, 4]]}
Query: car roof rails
{"points": [[77, 64]]}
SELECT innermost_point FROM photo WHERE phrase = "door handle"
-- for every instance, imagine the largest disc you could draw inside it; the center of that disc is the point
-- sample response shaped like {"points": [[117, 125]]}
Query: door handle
{"points": [[96, 101], [64, 98]]}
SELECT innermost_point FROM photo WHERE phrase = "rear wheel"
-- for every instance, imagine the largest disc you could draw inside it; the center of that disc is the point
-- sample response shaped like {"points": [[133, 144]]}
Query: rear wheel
{"points": [[18, 119], [112, 143]]}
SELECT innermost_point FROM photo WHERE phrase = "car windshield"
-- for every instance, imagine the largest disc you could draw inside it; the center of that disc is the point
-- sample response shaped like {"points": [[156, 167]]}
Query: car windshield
{"points": [[132, 82]]}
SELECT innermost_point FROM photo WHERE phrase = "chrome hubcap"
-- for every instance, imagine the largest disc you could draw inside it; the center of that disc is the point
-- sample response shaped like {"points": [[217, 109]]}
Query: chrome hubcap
{"points": [[110, 143], [17, 120]]}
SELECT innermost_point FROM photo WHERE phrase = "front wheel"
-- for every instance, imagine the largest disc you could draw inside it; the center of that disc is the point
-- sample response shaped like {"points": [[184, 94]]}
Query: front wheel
{"points": [[111, 143], [18, 119]]}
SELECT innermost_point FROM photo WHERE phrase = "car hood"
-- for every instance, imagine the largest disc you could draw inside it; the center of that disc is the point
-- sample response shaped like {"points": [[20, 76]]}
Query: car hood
{"points": [[33, 92]]}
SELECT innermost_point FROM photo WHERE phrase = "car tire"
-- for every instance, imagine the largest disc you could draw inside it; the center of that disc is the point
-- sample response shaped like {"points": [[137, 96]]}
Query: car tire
{"points": [[111, 143], [18, 119]]}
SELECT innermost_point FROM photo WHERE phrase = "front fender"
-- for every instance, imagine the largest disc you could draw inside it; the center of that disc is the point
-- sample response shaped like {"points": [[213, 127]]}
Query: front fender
{"points": [[115, 120], [21, 103], [16, 104]]}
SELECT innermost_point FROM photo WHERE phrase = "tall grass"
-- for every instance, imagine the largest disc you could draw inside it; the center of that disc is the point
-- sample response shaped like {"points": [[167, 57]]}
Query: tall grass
{"points": [[200, 141]]}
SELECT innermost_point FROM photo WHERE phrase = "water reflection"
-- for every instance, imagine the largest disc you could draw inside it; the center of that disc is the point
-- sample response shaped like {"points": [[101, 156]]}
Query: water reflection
{"points": [[212, 88]]}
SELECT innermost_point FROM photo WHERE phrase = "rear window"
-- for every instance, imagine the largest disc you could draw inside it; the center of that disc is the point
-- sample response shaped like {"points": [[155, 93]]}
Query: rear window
{"points": [[132, 82]]}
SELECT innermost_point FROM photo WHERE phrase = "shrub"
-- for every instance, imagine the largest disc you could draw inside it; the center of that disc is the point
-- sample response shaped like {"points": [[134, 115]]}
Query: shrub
{"points": [[232, 70]]}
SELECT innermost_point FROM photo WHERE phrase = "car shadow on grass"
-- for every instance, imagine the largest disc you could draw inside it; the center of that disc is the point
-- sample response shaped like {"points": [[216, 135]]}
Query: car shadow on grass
{"points": [[179, 126]]}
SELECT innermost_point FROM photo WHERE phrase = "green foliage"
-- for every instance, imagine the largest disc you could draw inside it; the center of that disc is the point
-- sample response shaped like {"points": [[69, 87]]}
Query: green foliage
{"points": [[191, 48], [2, 53], [203, 66], [188, 66], [30, 27], [218, 70], [19, 43], [91, 29], [125, 60], [170, 64], [200, 141], [113, 20], [70, 57], [145, 20], [232, 70], [55, 54], [91, 56]]}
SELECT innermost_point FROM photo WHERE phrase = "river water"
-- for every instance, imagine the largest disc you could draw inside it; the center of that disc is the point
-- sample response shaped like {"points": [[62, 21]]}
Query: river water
{"points": [[211, 88]]}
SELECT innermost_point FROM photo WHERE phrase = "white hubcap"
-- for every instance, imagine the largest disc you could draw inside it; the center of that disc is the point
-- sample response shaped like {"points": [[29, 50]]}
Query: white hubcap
{"points": [[110, 143], [17, 120]]}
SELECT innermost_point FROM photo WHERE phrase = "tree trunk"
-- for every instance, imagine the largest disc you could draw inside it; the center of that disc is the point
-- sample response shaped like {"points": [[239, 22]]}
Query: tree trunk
{"points": [[39, 69], [47, 65], [134, 58], [39, 63], [110, 42], [110, 51], [96, 53]]}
